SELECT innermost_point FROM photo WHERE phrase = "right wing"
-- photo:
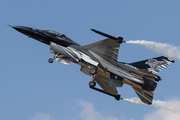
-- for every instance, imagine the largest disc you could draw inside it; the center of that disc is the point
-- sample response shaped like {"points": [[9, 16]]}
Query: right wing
{"points": [[145, 96], [107, 49], [104, 83]]}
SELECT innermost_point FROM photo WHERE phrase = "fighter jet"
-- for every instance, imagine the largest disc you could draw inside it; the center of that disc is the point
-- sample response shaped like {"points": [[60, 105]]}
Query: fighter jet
{"points": [[99, 60]]}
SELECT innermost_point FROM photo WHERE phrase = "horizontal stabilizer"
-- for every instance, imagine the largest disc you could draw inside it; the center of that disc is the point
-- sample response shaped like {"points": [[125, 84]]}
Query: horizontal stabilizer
{"points": [[145, 96]]}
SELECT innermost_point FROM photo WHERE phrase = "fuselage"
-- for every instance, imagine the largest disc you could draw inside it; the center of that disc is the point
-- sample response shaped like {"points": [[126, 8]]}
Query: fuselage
{"points": [[66, 50], [46, 36]]}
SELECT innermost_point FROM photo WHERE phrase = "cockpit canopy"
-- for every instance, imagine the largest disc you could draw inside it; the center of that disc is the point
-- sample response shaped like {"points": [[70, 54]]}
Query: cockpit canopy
{"points": [[55, 32]]}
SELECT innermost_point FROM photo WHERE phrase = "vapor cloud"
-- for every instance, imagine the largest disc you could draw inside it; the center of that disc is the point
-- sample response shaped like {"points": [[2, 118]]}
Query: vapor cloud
{"points": [[161, 114], [172, 105], [166, 110], [89, 113], [165, 49], [40, 116]]}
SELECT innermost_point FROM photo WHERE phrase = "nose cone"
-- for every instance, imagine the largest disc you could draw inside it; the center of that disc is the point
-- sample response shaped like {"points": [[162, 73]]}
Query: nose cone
{"points": [[22, 29], [32, 33]]}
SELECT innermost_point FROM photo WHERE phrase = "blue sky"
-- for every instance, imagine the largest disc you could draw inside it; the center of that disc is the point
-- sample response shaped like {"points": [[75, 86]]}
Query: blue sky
{"points": [[33, 89]]}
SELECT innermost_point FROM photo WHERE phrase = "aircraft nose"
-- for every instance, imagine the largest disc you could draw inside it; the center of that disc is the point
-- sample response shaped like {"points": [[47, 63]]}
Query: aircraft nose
{"points": [[32, 33], [22, 29]]}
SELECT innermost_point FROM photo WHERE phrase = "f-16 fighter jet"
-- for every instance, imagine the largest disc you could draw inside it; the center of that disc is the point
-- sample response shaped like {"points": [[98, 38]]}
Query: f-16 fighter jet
{"points": [[99, 60]]}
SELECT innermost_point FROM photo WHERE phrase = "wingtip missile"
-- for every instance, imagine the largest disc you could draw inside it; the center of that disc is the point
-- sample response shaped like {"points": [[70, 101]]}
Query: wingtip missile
{"points": [[118, 39]]}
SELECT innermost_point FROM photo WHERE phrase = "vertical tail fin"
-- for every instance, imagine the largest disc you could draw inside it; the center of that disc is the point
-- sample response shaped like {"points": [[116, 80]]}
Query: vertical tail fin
{"points": [[153, 65]]}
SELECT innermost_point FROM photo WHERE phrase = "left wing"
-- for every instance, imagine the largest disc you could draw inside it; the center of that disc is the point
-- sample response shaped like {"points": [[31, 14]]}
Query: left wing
{"points": [[105, 84], [107, 49]]}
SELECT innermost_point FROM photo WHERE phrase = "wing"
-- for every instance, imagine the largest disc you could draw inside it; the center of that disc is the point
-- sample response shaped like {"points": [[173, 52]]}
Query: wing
{"points": [[145, 96], [107, 49], [153, 65], [105, 84]]}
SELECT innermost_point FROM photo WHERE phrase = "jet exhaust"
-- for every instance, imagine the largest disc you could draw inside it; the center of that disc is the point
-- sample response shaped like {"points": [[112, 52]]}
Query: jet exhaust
{"points": [[172, 105], [165, 49]]}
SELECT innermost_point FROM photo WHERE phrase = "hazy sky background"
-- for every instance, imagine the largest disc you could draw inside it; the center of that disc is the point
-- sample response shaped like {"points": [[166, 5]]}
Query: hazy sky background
{"points": [[33, 89]]}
